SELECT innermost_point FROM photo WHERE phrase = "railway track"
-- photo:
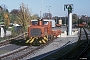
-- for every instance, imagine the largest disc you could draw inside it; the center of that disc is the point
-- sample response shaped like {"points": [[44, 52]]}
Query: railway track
{"points": [[7, 41], [19, 54], [73, 51], [80, 49], [76, 52]]}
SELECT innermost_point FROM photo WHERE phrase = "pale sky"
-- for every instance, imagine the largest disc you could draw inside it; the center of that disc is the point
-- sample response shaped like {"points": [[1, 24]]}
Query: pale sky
{"points": [[81, 7]]}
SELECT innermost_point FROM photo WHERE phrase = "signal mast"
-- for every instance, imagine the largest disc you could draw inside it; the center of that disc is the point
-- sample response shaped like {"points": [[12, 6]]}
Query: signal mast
{"points": [[69, 7]]}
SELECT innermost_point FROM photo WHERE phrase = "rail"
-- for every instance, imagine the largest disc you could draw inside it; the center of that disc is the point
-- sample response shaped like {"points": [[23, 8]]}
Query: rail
{"points": [[54, 51], [19, 57], [81, 47], [7, 41], [19, 54]]}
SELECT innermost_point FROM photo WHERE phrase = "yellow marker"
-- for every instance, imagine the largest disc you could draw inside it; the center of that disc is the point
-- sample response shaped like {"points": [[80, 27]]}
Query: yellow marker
{"points": [[32, 40], [46, 38], [27, 41], [43, 41]]}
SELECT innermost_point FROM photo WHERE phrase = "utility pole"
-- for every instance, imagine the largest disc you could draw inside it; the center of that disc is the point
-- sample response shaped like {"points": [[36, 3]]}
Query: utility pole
{"points": [[48, 8], [49, 11], [41, 12], [69, 7], [40, 15]]}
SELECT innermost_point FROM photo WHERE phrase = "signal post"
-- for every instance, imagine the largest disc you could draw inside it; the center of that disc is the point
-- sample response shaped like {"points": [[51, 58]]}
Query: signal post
{"points": [[69, 7]]}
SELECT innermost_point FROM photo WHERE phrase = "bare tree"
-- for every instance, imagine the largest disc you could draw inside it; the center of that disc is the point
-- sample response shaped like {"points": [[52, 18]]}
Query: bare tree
{"points": [[4, 7], [75, 18], [47, 15], [35, 16], [13, 15], [24, 16], [14, 11]]}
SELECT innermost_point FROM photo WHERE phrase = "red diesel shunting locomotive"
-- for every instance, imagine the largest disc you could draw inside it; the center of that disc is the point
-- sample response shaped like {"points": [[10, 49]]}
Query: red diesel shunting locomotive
{"points": [[39, 33]]}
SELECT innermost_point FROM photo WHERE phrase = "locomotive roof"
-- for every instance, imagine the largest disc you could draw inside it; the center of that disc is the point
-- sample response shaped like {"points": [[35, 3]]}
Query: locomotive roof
{"points": [[34, 20]]}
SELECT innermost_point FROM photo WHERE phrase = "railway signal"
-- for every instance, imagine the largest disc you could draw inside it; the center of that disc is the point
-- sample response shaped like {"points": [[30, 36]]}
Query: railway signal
{"points": [[69, 7]]}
